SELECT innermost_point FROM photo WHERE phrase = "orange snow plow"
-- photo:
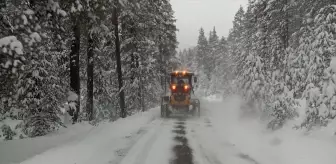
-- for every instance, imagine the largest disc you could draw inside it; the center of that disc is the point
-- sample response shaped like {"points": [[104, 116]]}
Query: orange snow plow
{"points": [[180, 98]]}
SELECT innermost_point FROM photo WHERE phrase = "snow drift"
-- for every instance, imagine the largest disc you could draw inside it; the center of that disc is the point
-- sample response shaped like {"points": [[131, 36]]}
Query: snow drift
{"points": [[74, 143], [284, 146]]}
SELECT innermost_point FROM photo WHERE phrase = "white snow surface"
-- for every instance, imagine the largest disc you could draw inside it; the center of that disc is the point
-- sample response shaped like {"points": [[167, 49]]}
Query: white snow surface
{"points": [[141, 136], [222, 135], [285, 146], [80, 143]]}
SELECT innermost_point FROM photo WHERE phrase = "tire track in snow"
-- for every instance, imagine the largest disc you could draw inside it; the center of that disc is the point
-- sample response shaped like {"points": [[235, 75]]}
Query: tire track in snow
{"points": [[206, 156], [136, 153], [209, 156], [183, 152], [142, 134], [141, 157], [241, 155], [248, 158]]}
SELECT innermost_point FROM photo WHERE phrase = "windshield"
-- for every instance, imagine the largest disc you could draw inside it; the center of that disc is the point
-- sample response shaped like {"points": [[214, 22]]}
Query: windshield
{"points": [[180, 80]]}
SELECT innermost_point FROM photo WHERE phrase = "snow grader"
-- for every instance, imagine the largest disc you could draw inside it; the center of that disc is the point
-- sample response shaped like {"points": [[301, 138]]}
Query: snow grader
{"points": [[180, 99]]}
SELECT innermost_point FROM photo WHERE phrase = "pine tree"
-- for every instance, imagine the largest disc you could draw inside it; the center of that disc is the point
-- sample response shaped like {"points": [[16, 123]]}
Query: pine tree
{"points": [[281, 102], [202, 48], [35, 81], [318, 93], [213, 50], [221, 75], [212, 59], [94, 11], [254, 80], [74, 7], [148, 48], [239, 64], [39, 38], [235, 40]]}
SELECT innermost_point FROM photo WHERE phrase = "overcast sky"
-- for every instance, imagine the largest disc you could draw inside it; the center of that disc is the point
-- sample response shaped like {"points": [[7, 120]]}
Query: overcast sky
{"points": [[191, 15]]}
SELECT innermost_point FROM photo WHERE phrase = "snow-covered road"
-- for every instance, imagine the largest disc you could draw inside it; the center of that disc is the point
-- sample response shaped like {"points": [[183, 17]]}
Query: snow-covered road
{"points": [[210, 148], [141, 139], [148, 140], [220, 136]]}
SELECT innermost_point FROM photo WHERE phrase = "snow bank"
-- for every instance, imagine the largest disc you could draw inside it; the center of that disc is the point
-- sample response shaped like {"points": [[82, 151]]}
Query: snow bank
{"points": [[285, 146], [79, 140], [10, 125], [213, 98], [15, 151]]}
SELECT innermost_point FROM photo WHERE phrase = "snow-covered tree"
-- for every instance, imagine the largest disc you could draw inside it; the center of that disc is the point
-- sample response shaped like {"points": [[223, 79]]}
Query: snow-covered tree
{"points": [[35, 81], [319, 92], [235, 41], [47, 44], [202, 49], [281, 101]]}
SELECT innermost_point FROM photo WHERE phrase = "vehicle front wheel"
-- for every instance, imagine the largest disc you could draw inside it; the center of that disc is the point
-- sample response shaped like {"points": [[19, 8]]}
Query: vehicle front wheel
{"points": [[196, 112]]}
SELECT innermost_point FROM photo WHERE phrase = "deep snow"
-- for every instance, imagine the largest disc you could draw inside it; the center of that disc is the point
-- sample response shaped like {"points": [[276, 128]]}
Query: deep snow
{"points": [[285, 146], [130, 140], [221, 135], [75, 142]]}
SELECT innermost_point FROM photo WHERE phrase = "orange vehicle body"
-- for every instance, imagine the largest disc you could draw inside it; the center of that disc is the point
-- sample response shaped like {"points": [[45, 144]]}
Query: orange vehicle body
{"points": [[180, 98]]}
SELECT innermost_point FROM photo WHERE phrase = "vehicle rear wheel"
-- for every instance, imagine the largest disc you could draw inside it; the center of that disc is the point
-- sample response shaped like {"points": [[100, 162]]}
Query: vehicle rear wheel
{"points": [[167, 112], [164, 111], [197, 111]]}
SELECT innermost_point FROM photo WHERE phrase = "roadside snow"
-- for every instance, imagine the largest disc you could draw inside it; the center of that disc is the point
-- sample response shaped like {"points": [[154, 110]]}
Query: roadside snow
{"points": [[209, 147], [222, 135], [153, 148], [13, 132], [75, 144], [214, 98], [285, 146], [16, 151]]}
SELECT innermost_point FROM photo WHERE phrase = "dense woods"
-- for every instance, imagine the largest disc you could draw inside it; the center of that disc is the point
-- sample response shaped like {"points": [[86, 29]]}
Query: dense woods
{"points": [[277, 53], [60, 58], [76, 60]]}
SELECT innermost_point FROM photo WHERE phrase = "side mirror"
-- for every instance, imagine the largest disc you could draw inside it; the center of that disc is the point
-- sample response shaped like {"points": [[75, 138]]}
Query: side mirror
{"points": [[165, 98], [195, 79]]}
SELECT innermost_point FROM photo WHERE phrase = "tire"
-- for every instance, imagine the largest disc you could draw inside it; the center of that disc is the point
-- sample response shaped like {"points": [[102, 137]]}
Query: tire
{"points": [[164, 111], [197, 111]]}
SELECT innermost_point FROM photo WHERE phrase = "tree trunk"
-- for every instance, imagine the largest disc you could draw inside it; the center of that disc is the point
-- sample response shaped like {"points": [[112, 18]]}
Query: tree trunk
{"points": [[133, 68], [119, 72], [141, 85], [74, 69], [90, 66], [286, 28]]}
